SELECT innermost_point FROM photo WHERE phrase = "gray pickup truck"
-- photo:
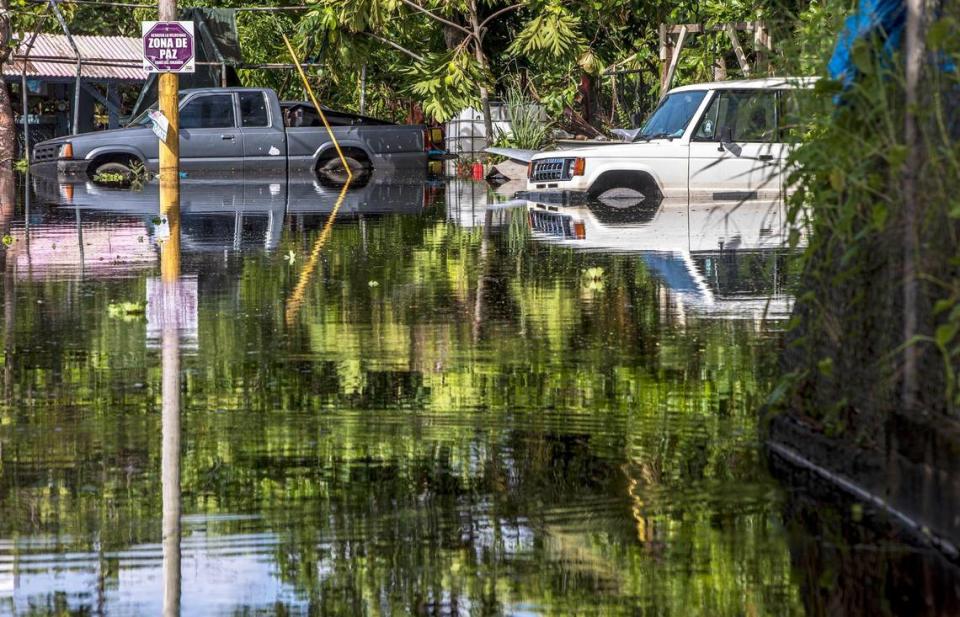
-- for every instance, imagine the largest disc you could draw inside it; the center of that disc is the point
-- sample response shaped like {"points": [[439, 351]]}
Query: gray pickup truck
{"points": [[244, 132]]}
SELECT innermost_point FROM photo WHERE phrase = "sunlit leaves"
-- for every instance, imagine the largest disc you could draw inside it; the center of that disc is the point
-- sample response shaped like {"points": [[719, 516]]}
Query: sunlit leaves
{"points": [[353, 16], [554, 32], [447, 82]]}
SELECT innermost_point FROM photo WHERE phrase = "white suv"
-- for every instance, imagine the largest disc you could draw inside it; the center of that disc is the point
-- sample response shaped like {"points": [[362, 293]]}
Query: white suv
{"points": [[715, 141]]}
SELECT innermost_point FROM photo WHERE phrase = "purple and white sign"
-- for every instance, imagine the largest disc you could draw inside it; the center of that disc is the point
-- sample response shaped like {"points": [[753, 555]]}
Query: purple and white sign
{"points": [[168, 46]]}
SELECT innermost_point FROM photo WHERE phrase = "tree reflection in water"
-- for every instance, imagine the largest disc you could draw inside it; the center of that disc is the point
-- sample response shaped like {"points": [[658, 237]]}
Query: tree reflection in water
{"points": [[591, 447]]}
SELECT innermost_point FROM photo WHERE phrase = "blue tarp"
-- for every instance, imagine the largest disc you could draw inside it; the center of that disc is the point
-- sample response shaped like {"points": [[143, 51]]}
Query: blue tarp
{"points": [[673, 270], [883, 19]]}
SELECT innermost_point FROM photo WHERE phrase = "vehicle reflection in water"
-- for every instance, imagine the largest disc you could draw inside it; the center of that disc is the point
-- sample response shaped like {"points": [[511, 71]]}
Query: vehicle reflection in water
{"points": [[459, 419], [97, 231], [377, 193], [720, 258]]}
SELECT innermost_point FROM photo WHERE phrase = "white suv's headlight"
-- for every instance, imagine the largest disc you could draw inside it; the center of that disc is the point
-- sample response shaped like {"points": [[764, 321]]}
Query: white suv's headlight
{"points": [[578, 166]]}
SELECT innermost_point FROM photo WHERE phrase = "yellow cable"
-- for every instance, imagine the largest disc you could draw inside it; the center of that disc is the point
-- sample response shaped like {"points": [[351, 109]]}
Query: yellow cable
{"points": [[296, 298], [313, 99]]}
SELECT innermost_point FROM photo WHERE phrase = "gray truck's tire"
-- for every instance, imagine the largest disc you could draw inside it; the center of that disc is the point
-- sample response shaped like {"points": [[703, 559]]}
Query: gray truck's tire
{"points": [[334, 164], [114, 167], [333, 169]]}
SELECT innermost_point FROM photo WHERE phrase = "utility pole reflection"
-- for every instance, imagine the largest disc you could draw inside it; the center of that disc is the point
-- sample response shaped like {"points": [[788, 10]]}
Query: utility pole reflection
{"points": [[170, 465], [171, 317]]}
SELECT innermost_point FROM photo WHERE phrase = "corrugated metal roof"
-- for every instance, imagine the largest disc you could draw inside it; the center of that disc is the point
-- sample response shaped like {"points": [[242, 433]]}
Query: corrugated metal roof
{"points": [[104, 57]]}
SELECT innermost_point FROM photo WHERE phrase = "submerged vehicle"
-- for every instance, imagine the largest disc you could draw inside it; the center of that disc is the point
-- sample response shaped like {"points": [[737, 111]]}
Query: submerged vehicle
{"points": [[712, 141], [243, 132]]}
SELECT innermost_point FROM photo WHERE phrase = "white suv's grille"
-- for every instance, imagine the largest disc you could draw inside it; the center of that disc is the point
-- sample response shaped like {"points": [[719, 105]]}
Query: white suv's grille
{"points": [[551, 170], [551, 223]]}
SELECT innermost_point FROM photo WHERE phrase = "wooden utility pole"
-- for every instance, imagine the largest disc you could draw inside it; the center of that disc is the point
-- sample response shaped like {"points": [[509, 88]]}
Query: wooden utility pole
{"points": [[168, 95], [168, 86]]}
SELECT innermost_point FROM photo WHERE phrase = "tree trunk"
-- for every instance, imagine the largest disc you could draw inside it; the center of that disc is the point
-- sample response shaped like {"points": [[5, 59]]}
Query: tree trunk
{"points": [[914, 49], [589, 106], [8, 132], [482, 60], [719, 68], [8, 196]]}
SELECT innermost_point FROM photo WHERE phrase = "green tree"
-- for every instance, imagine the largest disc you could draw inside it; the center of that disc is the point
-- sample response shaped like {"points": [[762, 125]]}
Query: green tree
{"points": [[452, 56]]}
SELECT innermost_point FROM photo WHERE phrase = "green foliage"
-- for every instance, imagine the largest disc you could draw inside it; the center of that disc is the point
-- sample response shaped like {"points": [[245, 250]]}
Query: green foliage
{"points": [[529, 130], [806, 50], [110, 178], [135, 179], [552, 35], [127, 311], [542, 43], [139, 175], [447, 82], [847, 345], [548, 45]]}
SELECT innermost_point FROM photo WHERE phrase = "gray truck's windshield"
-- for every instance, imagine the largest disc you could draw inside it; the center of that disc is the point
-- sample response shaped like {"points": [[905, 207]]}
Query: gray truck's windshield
{"points": [[672, 115]]}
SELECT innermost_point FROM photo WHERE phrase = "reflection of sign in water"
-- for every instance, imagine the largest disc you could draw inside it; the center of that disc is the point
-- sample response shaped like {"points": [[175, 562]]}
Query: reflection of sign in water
{"points": [[172, 306], [168, 46], [161, 228], [8, 582], [99, 249]]}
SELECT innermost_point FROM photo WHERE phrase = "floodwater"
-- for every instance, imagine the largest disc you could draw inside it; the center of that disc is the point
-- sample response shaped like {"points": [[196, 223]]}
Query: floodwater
{"points": [[414, 403]]}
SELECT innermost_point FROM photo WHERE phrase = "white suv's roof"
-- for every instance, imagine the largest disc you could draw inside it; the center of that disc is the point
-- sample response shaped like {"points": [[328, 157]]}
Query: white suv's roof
{"points": [[769, 83]]}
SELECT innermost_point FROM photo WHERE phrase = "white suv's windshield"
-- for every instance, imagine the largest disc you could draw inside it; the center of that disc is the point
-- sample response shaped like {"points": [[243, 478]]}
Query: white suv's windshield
{"points": [[672, 115]]}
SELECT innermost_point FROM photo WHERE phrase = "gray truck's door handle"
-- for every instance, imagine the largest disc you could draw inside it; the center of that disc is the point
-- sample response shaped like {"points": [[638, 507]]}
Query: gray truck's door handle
{"points": [[228, 137]]}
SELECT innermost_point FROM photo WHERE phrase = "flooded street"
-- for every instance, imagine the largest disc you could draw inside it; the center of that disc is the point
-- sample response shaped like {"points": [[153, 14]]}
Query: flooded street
{"points": [[410, 404]]}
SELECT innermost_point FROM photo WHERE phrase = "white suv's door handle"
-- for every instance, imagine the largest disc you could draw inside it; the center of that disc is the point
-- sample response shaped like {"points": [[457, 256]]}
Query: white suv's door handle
{"points": [[765, 157]]}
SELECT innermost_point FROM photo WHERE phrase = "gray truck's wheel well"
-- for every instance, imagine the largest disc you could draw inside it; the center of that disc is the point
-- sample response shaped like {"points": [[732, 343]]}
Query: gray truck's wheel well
{"points": [[123, 158], [638, 180]]}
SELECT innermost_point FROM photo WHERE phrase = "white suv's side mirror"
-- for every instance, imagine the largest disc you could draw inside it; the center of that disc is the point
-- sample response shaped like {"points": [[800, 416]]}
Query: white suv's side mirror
{"points": [[726, 141]]}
